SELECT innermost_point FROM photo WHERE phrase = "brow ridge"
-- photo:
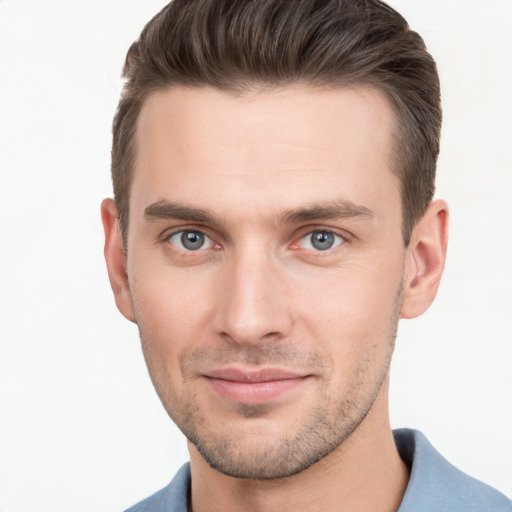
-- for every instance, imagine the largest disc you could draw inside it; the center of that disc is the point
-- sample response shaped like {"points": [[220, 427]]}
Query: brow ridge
{"points": [[164, 209], [331, 210], [326, 211]]}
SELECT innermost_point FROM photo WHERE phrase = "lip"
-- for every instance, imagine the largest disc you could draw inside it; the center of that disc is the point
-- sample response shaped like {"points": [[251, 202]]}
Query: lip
{"points": [[253, 387]]}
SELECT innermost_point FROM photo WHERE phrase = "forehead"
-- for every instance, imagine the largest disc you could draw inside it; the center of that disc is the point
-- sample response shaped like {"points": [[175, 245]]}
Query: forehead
{"points": [[263, 151]]}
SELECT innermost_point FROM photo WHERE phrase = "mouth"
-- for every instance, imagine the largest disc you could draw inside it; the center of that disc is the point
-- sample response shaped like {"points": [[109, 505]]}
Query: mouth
{"points": [[253, 387]]}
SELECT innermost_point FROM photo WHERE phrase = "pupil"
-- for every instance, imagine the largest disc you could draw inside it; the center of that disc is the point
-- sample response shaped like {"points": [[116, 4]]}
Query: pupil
{"points": [[192, 240], [321, 240]]}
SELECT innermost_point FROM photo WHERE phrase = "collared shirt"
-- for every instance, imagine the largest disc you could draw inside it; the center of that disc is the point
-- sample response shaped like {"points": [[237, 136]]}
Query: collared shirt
{"points": [[434, 486]]}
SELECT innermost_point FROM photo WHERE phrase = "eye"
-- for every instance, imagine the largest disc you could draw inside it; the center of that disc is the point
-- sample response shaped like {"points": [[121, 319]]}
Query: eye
{"points": [[320, 240], [190, 240]]}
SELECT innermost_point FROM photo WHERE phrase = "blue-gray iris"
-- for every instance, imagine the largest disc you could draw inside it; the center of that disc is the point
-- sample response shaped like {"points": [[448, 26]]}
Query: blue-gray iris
{"points": [[322, 240], [192, 240]]}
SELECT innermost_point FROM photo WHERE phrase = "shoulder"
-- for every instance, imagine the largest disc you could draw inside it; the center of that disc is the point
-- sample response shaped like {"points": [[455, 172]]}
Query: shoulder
{"points": [[173, 498], [436, 485]]}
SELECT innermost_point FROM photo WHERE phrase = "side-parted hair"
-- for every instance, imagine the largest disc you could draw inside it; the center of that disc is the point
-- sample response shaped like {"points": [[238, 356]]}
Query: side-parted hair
{"points": [[240, 46]]}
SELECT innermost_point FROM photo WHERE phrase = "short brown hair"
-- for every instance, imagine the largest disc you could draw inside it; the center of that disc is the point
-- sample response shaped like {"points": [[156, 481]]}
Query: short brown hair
{"points": [[241, 45]]}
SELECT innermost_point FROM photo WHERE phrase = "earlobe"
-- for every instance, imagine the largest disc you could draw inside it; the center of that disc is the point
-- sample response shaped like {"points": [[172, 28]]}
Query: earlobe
{"points": [[425, 259], [116, 259]]}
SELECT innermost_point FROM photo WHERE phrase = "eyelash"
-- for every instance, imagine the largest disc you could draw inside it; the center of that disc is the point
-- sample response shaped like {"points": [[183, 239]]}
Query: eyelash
{"points": [[318, 252], [181, 231], [344, 238]]}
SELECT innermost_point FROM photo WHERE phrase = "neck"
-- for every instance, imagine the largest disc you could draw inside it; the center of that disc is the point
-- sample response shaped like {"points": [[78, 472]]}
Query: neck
{"points": [[364, 474]]}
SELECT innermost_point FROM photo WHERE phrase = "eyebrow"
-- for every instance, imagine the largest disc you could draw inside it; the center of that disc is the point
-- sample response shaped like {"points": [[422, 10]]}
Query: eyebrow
{"points": [[164, 209], [326, 211], [334, 210]]}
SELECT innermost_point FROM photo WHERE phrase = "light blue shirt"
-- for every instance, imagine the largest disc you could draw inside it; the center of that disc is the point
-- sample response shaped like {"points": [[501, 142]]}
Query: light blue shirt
{"points": [[435, 485]]}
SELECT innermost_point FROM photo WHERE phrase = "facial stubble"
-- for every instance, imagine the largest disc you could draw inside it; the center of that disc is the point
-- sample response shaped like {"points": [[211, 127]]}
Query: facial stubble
{"points": [[266, 455]]}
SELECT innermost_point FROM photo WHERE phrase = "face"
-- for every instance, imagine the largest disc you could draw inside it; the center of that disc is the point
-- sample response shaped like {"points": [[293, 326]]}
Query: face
{"points": [[265, 265]]}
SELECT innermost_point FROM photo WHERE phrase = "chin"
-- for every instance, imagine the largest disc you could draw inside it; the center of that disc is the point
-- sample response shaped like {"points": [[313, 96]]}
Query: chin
{"points": [[266, 452]]}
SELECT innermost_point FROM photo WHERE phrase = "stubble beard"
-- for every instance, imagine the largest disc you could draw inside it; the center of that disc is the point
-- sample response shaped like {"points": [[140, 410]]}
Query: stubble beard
{"points": [[279, 457], [266, 456]]}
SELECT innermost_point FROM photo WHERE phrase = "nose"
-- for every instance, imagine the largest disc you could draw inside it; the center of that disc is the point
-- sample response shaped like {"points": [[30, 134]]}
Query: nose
{"points": [[253, 303]]}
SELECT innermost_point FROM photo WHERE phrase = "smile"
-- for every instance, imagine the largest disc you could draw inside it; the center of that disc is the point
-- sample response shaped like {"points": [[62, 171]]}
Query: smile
{"points": [[253, 387]]}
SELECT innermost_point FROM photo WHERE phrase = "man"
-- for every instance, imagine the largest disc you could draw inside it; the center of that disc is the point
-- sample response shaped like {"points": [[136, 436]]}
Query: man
{"points": [[273, 165]]}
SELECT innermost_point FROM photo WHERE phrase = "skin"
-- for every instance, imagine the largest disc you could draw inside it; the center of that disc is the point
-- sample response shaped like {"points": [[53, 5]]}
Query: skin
{"points": [[257, 174]]}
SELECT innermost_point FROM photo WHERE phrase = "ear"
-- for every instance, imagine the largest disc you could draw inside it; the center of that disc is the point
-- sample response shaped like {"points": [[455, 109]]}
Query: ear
{"points": [[116, 259], [425, 259]]}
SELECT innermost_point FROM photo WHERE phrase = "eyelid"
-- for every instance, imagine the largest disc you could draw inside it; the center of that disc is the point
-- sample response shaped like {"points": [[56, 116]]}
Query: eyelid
{"points": [[299, 235], [337, 240], [308, 230], [168, 234]]}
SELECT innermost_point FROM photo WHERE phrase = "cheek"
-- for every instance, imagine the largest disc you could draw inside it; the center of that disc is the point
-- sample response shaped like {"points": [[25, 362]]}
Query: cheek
{"points": [[353, 315], [170, 311], [364, 293]]}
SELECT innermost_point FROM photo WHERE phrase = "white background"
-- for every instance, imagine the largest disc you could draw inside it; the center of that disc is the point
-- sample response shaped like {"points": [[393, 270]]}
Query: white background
{"points": [[81, 428]]}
